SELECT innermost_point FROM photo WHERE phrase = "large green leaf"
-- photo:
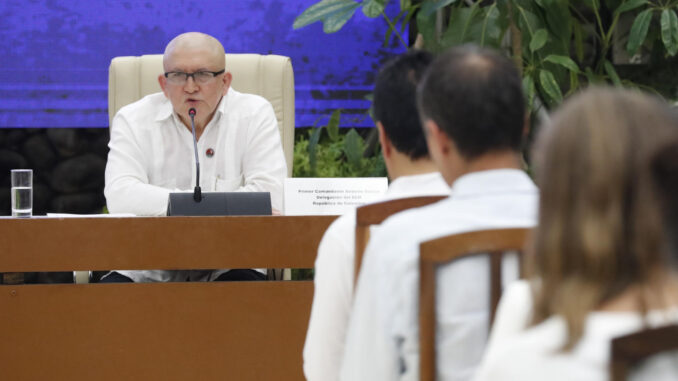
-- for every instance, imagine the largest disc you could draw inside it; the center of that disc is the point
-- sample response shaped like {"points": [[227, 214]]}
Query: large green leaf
{"points": [[460, 23], [527, 21], [558, 18], [430, 7], [333, 125], [336, 21], [538, 40], [639, 31], [669, 27], [373, 8], [630, 5], [612, 73], [353, 148], [550, 86], [324, 10], [493, 27], [563, 61]]}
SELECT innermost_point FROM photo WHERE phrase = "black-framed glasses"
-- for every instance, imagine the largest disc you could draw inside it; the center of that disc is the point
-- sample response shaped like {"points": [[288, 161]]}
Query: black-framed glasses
{"points": [[200, 77]]}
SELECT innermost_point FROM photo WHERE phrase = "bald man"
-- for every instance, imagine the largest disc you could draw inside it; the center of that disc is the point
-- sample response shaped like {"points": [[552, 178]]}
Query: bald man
{"points": [[151, 147]]}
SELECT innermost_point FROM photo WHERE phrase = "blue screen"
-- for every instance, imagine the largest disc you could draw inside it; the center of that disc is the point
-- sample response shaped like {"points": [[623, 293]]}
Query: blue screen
{"points": [[55, 54]]}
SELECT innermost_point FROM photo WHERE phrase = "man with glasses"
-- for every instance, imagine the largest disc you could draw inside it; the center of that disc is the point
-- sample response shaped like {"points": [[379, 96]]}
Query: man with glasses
{"points": [[151, 147]]}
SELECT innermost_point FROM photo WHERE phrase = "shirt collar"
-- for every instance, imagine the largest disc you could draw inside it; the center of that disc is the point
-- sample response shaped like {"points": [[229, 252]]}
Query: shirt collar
{"points": [[405, 182], [493, 181]]}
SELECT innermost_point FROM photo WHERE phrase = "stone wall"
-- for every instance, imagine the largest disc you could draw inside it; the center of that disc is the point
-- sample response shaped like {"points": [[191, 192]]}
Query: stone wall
{"points": [[68, 167]]}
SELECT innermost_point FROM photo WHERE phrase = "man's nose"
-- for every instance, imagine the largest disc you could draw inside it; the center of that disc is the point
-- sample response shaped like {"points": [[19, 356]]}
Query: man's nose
{"points": [[191, 86]]}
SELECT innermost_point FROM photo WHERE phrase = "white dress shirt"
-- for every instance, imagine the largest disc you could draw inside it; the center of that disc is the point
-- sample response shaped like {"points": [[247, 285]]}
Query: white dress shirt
{"points": [[334, 275], [383, 334], [518, 351], [151, 154]]}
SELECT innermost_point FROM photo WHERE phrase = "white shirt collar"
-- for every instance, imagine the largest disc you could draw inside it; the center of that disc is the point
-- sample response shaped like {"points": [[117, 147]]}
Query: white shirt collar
{"points": [[403, 182], [492, 181]]}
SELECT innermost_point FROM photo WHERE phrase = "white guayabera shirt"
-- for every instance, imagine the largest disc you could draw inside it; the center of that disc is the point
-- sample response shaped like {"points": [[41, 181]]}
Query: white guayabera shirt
{"points": [[151, 154], [383, 334]]}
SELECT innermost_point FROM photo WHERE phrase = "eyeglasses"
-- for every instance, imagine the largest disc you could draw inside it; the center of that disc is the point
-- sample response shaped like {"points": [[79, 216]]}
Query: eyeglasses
{"points": [[200, 77]]}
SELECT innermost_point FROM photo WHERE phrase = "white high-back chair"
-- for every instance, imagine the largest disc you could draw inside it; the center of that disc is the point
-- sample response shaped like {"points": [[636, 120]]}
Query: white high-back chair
{"points": [[131, 78]]}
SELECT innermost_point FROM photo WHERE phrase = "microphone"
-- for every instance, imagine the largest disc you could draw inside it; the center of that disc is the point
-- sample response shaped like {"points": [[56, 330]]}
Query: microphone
{"points": [[197, 193]]}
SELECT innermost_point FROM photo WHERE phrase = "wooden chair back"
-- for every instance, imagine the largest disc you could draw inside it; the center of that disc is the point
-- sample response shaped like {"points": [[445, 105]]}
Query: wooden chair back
{"points": [[172, 331], [374, 214], [629, 350], [434, 253]]}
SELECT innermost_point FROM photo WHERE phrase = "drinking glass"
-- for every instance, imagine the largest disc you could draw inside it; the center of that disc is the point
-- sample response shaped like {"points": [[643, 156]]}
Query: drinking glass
{"points": [[22, 193]]}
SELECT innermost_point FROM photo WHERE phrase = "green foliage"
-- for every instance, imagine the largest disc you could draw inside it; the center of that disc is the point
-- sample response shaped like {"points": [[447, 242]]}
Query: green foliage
{"points": [[333, 13], [335, 154], [559, 45], [639, 31]]}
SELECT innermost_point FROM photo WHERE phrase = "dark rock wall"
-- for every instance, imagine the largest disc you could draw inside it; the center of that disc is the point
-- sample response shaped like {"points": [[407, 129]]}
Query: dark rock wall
{"points": [[68, 167]]}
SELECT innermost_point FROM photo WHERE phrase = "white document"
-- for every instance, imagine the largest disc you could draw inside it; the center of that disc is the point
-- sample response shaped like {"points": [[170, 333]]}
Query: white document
{"points": [[70, 215], [331, 195]]}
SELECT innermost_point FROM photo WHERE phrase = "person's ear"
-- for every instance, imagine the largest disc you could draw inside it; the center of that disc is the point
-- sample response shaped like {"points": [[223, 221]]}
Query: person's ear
{"points": [[163, 84], [435, 137], [386, 146], [227, 82]]}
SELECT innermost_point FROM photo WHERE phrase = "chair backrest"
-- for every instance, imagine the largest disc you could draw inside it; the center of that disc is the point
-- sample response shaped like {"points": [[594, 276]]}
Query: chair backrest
{"points": [[374, 214], [130, 78], [449, 248], [629, 350]]}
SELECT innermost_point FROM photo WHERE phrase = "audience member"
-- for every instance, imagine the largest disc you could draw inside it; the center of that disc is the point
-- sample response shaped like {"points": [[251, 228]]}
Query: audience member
{"points": [[412, 173], [598, 261], [473, 112]]}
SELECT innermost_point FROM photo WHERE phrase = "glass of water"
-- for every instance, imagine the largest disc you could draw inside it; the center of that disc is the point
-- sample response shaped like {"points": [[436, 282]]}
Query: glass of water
{"points": [[22, 192]]}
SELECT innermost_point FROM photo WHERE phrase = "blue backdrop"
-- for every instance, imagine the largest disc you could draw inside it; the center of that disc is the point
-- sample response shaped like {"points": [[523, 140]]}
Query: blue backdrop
{"points": [[54, 55]]}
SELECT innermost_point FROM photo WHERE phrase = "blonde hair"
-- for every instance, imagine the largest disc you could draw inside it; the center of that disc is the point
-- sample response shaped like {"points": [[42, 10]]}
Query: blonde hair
{"points": [[599, 228]]}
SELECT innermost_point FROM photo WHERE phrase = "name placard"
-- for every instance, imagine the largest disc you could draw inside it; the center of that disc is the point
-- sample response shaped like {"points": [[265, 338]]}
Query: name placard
{"points": [[329, 196]]}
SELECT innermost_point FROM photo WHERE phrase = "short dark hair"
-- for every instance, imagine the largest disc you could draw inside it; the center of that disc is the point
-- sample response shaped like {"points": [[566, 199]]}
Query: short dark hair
{"points": [[475, 97], [395, 103]]}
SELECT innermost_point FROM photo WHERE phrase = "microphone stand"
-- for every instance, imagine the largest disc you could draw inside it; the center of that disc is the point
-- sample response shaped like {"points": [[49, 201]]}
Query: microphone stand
{"points": [[197, 193]]}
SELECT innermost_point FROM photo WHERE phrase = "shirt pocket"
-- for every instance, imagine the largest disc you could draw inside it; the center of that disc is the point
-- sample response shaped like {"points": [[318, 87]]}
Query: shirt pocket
{"points": [[228, 184]]}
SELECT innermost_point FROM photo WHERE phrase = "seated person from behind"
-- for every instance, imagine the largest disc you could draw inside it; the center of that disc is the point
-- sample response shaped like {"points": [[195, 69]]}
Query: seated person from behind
{"points": [[472, 110], [598, 267], [412, 174], [151, 147]]}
